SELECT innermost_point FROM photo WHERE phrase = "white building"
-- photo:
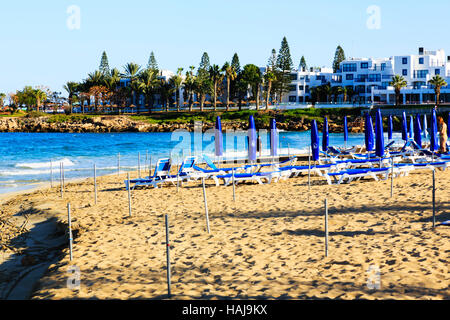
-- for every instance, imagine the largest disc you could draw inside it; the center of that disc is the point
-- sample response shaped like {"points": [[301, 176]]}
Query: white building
{"points": [[370, 78]]}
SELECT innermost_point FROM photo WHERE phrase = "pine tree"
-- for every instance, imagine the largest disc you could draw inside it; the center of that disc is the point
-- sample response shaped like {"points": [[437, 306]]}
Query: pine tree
{"points": [[204, 63], [302, 66], [104, 65], [338, 58], [272, 62], [284, 67], [284, 60], [152, 64], [234, 83], [235, 63]]}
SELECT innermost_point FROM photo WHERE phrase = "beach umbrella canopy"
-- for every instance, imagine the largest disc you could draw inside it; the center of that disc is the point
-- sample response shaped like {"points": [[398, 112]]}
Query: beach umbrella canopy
{"points": [[425, 126], [448, 124], [345, 129], [434, 145], [379, 135], [418, 132], [369, 133], [390, 128], [252, 139], [315, 141], [404, 127], [411, 127], [325, 138], [219, 138], [274, 139]]}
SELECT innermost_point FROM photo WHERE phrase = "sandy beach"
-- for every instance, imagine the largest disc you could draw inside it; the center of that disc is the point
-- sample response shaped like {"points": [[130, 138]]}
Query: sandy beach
{"points": [[269, 244]]}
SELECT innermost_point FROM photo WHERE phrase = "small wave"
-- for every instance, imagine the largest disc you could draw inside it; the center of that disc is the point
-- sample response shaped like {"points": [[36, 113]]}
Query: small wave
{"points": [[40, 165]]}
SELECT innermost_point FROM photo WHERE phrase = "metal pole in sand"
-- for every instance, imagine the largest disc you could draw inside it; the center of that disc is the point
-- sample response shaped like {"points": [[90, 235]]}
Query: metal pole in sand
{"points": [[326, 227], [178, 175], [234, 188], [69, 220], [392, 177], [146, 159], [309, 169], [118, 164], [139, 164], [434, 198], [60, 178], [129, 193], [63, 177], [168, 256], [206, 205], [51, 173], [150, 168], [95, 183]]}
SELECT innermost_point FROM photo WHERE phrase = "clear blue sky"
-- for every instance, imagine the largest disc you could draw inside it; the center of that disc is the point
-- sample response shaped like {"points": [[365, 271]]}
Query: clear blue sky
{"points": [[39, 49]]}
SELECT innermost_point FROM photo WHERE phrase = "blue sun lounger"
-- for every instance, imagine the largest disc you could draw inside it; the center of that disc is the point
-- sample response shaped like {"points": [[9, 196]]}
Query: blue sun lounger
{"points": [[162, 170], [259, 177], [356, 174]]}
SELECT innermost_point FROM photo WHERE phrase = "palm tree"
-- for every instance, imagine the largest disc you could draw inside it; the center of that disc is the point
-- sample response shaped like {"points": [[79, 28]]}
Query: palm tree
{"points": [[2, 96], [216, 77], [398, 82], [269, 77], [438, 82], [189, 85], [40, 96], [132, 71], [112, 84], [231, 75], [95, 78], [176, 82], [149, 84], [72, 90], [166, 91]]}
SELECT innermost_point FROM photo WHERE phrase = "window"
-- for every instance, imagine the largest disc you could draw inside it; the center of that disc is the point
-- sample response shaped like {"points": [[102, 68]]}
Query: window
{"points": [[301, 88], [374, 77], [437, 71], [292, 88], [364, 65], [405, 72], [421, 60], [383, 66], [349, 67], [405, 60], [307, 89], [349, 76], [422, 74], [319, 78], [293, 76], [292, 99]]}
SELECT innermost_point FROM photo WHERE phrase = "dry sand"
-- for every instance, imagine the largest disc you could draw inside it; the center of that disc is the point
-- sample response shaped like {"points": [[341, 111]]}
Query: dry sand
{"points": [[267, 245]]}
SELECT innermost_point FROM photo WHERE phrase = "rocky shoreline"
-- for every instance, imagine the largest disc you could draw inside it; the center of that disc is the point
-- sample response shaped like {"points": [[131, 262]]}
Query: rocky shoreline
{"points": [[108, 124]]}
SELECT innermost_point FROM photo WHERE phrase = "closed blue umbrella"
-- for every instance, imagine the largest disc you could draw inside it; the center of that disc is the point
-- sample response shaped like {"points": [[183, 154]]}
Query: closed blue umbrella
{"points": [[411, 127], [404, 127], [448, 125], [390, 128], [369, 133], [425, 126], [434, 145], [252, 139], [379, 135], [315, 141], [219, 138], [345, 130], [418, 132], [325, 138], [274, 139]]}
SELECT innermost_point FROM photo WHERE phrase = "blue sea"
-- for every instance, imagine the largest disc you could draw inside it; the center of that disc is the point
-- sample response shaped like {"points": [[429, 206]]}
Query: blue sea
{"points": [[29, 159]]}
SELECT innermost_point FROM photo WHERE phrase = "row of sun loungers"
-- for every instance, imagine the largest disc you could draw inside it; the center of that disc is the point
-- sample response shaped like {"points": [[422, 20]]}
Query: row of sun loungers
{"points": [[334, 170]]}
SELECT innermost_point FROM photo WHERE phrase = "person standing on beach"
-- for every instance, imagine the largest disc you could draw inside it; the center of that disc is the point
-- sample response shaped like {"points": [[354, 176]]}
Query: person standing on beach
{"points": [[443, 135]]}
